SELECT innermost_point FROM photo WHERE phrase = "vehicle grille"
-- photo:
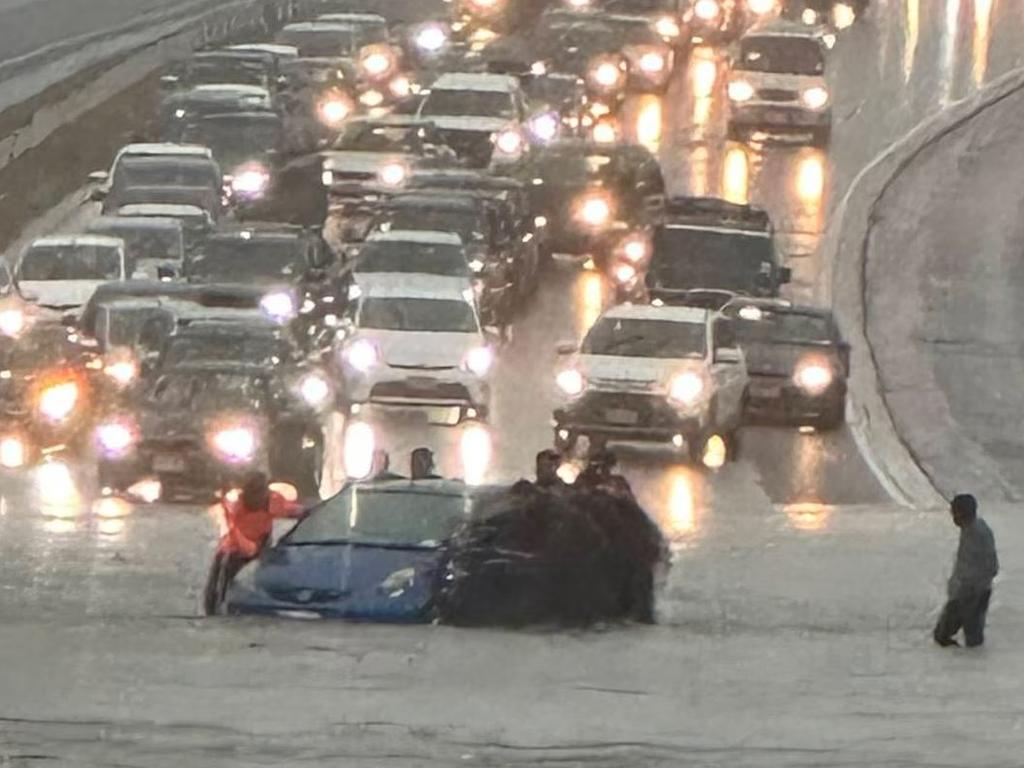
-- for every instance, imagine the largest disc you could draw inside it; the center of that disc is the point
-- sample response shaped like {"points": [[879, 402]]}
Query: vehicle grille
{"points": [[413, 391], [611, 407], [340, 177], [777, 94]]}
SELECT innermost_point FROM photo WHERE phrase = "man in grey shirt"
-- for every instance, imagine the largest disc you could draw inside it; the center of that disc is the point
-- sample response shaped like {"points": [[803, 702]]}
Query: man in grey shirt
{"points": [[970, 586]]}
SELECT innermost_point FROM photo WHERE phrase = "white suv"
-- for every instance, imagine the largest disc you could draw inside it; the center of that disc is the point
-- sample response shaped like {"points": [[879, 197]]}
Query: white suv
{"points": [[653, 374]]}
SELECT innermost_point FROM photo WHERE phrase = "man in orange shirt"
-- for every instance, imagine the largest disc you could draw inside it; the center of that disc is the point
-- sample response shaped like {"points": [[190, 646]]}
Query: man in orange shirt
{"points": [[250, 523]]}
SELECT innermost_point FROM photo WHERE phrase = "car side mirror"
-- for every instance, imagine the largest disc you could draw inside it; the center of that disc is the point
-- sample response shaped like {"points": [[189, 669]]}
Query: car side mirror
{"points": [[785, 275], [99, 177], [728, 355], [567, 347], [169, 81]]}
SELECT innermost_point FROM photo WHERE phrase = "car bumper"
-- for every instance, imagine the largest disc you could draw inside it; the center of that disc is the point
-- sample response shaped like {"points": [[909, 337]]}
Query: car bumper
{"points": [[429, 388], [779, 116], [627, 416], [772, 397]]}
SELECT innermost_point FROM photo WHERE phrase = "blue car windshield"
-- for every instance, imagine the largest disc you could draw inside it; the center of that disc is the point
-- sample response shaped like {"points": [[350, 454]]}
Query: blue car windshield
{"points": [[395, 517]]}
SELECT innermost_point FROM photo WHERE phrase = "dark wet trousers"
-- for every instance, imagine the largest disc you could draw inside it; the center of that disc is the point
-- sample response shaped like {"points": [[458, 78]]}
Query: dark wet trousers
{"points": [[223, 570], [968, 613]]}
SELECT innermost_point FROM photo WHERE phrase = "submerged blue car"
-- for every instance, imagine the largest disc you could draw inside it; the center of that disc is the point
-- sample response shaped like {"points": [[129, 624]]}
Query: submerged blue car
{"points": [[373, 552]]}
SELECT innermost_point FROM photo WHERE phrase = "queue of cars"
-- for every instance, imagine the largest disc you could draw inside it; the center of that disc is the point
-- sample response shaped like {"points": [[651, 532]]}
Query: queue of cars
{"points": [[355, 214]]}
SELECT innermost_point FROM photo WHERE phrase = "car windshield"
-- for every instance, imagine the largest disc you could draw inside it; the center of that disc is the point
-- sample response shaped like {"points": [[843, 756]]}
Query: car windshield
{"points": [[327, 42], [236, 140], [465, 222], [375, 516], [166, 172], [142, 242], [258, 350], [455, 103], [784, 328], [406, 314], [430, 258], [363, 137], [237, 260], [71, 262], [627, 337], [208, 391], [691, 257], [787, 55]]}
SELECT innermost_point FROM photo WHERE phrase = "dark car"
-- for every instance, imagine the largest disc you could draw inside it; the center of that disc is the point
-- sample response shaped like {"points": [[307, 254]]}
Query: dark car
{"points": [[181, 108], [797, 361], [713, 244], [235, 66], [294, 266], [199, 429], [588, 192], [373, 552], [194, 181], [155, 245]]}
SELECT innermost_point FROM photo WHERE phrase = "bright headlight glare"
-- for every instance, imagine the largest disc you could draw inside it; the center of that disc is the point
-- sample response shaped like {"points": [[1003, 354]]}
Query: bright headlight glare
{"points": [[751, 313], [115, 437], [652, 62], [476, 453], [250, 181], [12, 321], [843, 15], [605, 132], [740, 90], [12, 452], [431, 39], [509, 142], [315, 390], [371, 98], [479, 360], [122, 372], [707, 10], [333, 111], [624, 273], [635, 249], [279, 306], [476, 265], [57, 402], [327, 178], [400, 86], [814, 98], [376, 62], [235, 444], [814, 378], [761, 7], [686, 388], [362, 355], [545, 127], [666, 26], [392, 174], [571, 382], [606, 74], [595, 211], [358, 450]]}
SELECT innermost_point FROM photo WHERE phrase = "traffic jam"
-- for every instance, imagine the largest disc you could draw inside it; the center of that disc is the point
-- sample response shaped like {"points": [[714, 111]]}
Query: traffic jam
{"points": [[365, 273]]}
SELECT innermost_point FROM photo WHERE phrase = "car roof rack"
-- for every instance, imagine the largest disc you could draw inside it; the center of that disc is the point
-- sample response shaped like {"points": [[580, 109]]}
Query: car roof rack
{"points": [[715, 211]]}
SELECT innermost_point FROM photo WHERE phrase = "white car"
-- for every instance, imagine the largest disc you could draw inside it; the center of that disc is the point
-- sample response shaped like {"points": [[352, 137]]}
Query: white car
{"points": [[414, 252], [653, 374], [415, 343], [777, 84], [62, 272], [481, 116]]}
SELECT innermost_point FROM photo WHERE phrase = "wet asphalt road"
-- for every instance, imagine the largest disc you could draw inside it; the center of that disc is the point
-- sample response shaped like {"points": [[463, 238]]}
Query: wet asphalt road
{"points": [[799, 522]]}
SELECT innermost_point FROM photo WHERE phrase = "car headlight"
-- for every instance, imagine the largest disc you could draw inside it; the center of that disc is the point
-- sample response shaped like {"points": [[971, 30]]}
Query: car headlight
{"points": [[250, 182], [122, 372], [476, 265], [509, 142], [761, 7], [843, 15], [13, 452], [813, 377], [605, 131], [635, 249], [479, 360], [707, 10], [607, 74], [545, 127], [594, 211], [57, 402], [740, 90], [431, 39], [334, 110], [624, 273], [652, 63], [667, 27], [327, 177], [12, 321], [814, 98], [371, 98], [358, 449], [116, 437], [392, 174], [376, 63], [315, 390], [485, 5], [279, 306], [362, 355], [686, 388], [235, 444], [400, 86], [571, 382]]}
